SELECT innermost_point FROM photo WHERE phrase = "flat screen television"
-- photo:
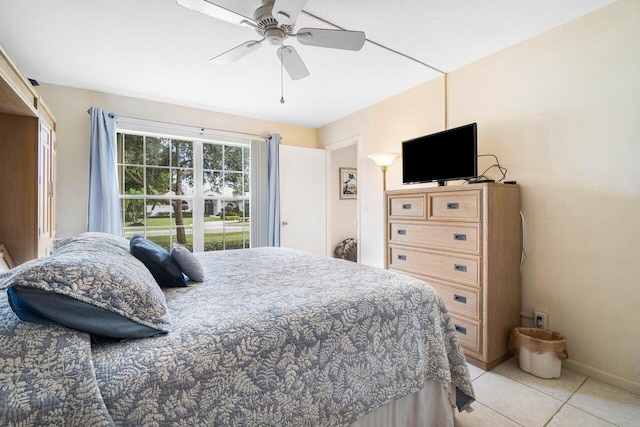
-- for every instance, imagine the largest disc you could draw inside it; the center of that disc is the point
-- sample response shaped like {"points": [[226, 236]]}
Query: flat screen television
{"points": [[443, 156]]}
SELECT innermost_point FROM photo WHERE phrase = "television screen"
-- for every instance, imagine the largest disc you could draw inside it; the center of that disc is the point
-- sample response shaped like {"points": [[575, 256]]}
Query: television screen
{"points": [[442, 156]]}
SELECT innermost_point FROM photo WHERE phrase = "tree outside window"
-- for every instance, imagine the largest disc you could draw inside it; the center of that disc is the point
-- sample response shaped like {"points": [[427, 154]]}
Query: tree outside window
{"points": [[157, 189]]}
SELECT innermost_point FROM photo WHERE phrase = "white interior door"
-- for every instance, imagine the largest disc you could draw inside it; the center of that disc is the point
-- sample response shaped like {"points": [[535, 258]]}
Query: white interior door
{"points": [[303, 219]]}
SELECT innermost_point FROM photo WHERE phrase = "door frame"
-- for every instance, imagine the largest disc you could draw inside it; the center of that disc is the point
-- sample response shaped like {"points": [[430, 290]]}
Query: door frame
{"points": [[344, 143]]}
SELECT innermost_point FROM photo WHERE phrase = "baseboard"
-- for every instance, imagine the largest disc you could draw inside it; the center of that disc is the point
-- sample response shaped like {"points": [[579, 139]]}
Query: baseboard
{"points": [[605, 377]]}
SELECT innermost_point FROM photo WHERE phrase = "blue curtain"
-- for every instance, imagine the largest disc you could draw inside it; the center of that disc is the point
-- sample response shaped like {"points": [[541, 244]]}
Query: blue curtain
{"points": [[260, 192], [273, 203], [104, 206]]}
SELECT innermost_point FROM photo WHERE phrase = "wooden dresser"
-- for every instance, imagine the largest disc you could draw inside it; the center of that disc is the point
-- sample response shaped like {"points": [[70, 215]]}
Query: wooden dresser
{"points": [[27, 166], [465, 241]]}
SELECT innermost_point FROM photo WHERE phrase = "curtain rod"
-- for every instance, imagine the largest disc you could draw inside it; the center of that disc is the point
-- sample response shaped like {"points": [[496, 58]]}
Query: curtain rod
{"points": [[111, 116], [192, 127]]}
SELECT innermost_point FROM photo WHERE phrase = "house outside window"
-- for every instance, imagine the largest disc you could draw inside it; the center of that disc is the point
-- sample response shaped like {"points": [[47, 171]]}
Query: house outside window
{"points": [[189, 191]]}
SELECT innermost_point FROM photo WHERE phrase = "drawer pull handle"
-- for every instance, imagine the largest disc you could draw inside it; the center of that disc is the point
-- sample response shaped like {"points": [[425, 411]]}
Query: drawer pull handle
{"points": [[461, 237], [453, 205], [402, 232], [461, 330], [460, 298], [460, 267], [402, 257], [406, 206]]}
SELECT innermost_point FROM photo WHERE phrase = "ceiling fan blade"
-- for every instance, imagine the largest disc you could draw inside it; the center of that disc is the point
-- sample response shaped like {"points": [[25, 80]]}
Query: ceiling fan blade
{"points": [[236, 53], [292, 63], [286, 11], [336, 39], [219, 12]]}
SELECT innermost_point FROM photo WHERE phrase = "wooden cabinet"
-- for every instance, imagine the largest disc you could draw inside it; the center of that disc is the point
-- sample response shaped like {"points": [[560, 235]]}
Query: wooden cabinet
{"points": [[27, 166], [465, 241], [46, 182]]}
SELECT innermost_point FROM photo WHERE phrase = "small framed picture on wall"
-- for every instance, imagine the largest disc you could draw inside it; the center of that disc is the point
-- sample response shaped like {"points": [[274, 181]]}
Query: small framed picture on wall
{"points": [[348, 183]]}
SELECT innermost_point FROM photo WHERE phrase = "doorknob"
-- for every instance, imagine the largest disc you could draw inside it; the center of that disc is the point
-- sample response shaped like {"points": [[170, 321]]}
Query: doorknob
{"points": [[284, 223]]}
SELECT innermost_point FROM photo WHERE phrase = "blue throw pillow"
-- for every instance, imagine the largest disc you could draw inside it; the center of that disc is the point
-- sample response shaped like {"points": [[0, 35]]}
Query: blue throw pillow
{"points": [[159, 262], [187, 262]]}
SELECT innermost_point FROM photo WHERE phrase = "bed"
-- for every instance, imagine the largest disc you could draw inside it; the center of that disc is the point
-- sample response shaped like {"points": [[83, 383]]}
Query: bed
{"points": [[272, 336]]}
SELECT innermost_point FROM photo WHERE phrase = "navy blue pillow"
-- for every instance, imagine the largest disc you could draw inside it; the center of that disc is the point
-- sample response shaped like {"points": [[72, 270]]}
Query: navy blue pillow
{"points": [[159, 262]]}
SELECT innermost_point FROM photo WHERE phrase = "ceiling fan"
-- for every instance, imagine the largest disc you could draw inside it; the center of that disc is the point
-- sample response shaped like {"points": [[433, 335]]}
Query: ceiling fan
{"points": [[275, 20]]}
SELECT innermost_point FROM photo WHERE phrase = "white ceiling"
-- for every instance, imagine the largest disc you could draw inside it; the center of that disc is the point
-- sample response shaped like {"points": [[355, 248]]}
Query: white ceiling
{"points": [[155, 49]]}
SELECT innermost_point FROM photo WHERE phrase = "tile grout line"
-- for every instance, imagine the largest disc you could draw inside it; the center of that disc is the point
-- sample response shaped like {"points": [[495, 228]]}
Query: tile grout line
{"points": [[496, 411], [539, 391], [555, 413], [594, 415], [500, 413], [483, 372], [587, 412], [566, 402], [637, 396], [535, 389], [514, 421], [605, 384], [544, 392], [578, 388]]}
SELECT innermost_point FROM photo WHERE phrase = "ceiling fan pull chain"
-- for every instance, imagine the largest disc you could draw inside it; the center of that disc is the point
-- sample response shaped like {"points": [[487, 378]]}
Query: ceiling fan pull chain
{"points": [[281, 77]]}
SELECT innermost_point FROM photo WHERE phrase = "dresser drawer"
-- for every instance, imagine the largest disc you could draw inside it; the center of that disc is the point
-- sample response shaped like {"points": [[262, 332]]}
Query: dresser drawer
{"points": [[448, 237], [448, 267], [463, 300], [468, 332], [456, 206], [407, 207]]}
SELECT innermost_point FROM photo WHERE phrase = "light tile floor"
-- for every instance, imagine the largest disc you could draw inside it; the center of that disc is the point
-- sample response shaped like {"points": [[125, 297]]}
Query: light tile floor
{"points": [[507, 396]]}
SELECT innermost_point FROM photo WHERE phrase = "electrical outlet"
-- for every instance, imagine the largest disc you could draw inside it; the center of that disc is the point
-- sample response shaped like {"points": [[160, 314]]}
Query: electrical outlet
{"points": [[540, 319]]}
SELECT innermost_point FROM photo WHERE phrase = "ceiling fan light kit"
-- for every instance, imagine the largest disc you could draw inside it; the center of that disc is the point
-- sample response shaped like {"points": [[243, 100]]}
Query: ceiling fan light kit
{"points": [[275, 20]]}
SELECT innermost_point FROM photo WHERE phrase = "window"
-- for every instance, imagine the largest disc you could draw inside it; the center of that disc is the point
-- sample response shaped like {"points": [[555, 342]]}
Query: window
{"points": [[181, 190]]}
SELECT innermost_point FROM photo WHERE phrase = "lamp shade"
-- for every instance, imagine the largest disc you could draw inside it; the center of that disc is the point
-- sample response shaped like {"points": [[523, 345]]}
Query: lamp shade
{"points": [[384, 159]]}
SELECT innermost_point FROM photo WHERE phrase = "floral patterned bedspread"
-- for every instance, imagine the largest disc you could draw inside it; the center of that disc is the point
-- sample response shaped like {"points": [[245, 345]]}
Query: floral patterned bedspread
{"points": [[46, 375], [273, 337]]}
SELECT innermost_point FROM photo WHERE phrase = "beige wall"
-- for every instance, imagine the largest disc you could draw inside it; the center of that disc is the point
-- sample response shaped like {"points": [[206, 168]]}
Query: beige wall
{"points": [[382, 127], [70, 107], [342, 213], [561, 111]]}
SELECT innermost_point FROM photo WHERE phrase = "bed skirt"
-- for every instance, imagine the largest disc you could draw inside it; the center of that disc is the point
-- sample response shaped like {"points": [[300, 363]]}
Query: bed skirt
{"points": [[430, 407]]}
